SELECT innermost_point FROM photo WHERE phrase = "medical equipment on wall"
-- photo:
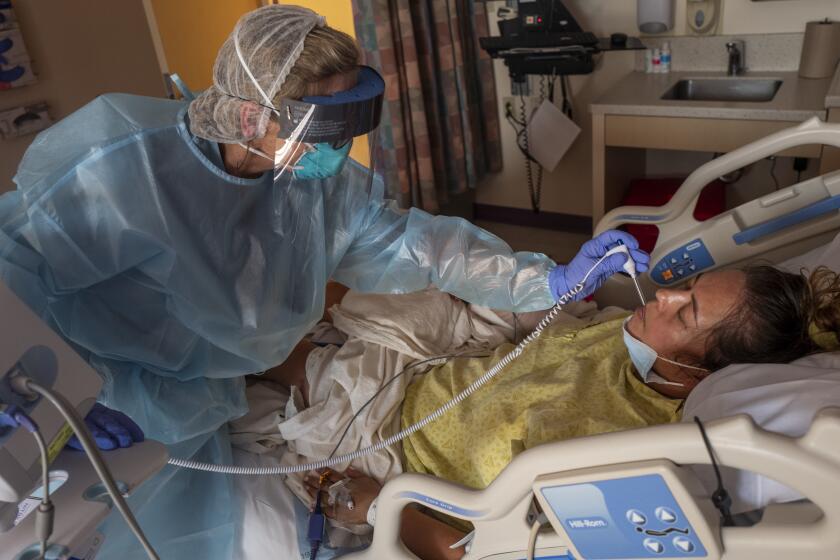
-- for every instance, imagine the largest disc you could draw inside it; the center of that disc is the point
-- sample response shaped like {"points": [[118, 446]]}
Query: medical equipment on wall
{"points": [[628, 495], [629, 267], [542, 38], [45, 387], [776, 226], [535, 132]]}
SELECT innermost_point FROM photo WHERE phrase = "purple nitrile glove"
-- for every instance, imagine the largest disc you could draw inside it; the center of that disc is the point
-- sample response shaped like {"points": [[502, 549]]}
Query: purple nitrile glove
{"points": [[110, 429], [564, 277]]}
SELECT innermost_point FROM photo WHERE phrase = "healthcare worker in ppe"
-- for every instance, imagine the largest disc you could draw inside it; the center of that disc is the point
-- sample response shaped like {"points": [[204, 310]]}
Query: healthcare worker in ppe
{"points": [[179, 246]]}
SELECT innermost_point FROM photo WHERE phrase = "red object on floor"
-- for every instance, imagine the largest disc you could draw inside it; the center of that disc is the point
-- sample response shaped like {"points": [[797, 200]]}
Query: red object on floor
{"points": [[657, 192]]}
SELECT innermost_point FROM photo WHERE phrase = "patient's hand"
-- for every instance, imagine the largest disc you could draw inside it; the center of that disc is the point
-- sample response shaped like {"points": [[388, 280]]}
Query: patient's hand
{"points": [[361, 488]]}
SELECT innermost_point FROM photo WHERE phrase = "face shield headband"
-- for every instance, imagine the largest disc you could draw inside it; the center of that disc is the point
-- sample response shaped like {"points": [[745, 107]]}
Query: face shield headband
{"points": [[334, 119]]}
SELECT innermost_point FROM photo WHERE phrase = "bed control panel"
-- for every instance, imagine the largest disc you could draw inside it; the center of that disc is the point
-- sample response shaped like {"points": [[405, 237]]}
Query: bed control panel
{"points": [[682, 263], [637, 514]]}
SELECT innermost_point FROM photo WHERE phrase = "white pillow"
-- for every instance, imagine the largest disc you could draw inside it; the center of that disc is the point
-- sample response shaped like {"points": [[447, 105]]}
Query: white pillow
{"points": [[827, 255], [782, 398]]}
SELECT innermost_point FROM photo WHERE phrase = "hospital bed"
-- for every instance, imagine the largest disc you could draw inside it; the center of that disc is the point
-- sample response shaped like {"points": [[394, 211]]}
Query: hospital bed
{"points": [[773, 228], [626, 495], [635, 494]]}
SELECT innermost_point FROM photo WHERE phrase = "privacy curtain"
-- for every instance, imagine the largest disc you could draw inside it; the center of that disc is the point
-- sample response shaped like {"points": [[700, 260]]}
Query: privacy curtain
{"points": [[440, 128]]}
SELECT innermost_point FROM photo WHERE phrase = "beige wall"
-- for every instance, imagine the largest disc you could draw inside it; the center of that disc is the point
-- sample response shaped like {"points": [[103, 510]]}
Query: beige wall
{"points": [[568, 189], [743, 16], [191, 32], [79, 50]]}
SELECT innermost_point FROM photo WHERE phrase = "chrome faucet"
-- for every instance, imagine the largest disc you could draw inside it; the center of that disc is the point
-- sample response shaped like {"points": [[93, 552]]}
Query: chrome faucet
{"points": [[737, 57]]}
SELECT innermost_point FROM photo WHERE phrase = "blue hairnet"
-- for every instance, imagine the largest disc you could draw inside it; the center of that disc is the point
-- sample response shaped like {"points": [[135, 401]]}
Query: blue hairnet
{"points": [[174, 278]]}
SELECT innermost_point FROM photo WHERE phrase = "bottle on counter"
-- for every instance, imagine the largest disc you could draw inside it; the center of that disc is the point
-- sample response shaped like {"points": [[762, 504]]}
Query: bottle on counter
{"points": [[657, 61], [665, 58], [648, 61]]}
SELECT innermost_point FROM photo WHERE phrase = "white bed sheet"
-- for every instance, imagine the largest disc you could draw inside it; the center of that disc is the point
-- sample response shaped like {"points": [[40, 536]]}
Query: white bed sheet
{"points": [[268, 527], [274, 521]]}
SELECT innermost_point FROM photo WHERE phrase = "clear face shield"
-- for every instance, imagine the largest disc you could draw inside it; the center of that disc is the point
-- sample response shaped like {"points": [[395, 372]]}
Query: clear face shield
{"points": [[317, 133]]}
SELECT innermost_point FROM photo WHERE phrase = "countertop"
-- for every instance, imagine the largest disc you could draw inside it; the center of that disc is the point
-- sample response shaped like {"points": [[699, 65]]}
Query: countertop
{"points": [[798, 99]]}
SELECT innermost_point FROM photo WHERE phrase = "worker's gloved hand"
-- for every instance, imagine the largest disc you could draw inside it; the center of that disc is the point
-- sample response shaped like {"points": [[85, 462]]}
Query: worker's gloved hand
{"points": [[110, 429], [564, 277]]}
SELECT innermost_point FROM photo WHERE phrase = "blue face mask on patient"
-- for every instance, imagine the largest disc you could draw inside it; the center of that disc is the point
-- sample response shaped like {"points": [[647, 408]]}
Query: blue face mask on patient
{"points": [[322, 162], [643, 358]]}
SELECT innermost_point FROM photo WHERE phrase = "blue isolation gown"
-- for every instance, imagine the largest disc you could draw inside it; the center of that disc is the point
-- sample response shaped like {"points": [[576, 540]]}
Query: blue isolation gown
{"points": [[174, 279]]}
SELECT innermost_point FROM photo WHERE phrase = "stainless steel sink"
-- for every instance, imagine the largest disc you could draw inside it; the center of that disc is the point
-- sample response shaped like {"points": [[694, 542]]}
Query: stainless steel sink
{"points": [[724, 89]]}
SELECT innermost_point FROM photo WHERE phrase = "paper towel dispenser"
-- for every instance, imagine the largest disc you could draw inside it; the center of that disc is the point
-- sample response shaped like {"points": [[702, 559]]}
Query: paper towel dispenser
{"points": [[655, 16]]}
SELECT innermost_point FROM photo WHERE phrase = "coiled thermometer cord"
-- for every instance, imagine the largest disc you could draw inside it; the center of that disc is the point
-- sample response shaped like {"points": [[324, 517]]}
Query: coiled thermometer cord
{"points": [[629, 267]]}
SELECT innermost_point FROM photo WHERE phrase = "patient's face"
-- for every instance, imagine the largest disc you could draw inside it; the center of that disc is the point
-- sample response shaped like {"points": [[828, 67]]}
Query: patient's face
{"points": [[677, 323]]}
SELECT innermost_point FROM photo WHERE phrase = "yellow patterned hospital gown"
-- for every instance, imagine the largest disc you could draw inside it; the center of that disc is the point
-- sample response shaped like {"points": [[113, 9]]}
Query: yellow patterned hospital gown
{"points": [[566, 384]]}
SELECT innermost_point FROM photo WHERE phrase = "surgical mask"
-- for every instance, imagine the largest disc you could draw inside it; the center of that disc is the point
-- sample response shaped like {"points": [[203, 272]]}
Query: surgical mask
{"points": [[319, 162], [643, 358], [322, 161]]}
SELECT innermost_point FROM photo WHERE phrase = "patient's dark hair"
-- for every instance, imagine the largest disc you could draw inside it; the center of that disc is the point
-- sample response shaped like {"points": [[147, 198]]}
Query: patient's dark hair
{"points": [[771, 322]]}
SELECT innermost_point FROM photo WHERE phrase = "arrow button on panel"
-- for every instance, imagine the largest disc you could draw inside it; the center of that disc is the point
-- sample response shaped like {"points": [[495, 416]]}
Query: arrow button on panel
{"points": [[683, 544], [665, 515], [654, 546], [636, 517]]}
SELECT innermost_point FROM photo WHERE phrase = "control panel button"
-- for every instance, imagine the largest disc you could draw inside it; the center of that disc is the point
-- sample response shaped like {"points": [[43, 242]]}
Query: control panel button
{"points": [[665, 515], [683, 544], [682, 263], [654, 546], [636, 517]]}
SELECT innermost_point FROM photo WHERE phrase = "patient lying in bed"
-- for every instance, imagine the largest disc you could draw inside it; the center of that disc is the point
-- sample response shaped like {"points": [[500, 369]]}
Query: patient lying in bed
{"points": [[577, 379]]}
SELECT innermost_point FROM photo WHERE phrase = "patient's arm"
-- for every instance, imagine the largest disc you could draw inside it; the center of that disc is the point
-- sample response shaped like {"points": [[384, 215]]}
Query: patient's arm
{"points": [[425, 536], [292, 372], [333, 295], [429, 538]]}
